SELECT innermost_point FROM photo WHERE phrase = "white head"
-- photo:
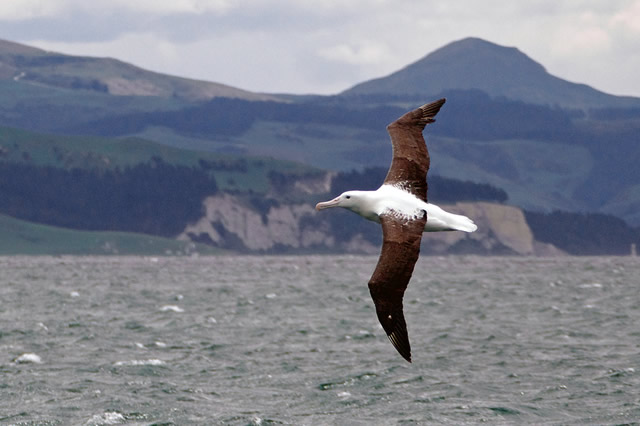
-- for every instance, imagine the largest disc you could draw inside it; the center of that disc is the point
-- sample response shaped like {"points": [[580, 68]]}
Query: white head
{"points": [[349, 200]]}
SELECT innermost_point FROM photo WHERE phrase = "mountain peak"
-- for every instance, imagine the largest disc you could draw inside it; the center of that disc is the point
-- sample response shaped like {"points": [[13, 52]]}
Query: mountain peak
{"points": [[474, 49], [500, 71]]}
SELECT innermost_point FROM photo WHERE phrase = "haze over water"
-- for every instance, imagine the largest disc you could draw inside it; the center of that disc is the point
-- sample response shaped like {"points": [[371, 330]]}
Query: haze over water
{"points": [[295, 340]]}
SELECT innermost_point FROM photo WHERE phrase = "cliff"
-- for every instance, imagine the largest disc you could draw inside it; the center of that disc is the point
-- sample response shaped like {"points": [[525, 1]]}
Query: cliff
{"points": [[502, 229], [231, 222]]}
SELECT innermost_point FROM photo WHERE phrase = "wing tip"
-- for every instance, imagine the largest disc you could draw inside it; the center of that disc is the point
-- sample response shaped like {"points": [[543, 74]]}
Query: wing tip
{"points": [[401, 344], [420, 116], [431, 109]]}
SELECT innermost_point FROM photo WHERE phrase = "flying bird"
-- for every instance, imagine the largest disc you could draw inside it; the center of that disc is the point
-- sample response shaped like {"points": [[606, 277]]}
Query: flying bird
{"points": [[400, 206]]}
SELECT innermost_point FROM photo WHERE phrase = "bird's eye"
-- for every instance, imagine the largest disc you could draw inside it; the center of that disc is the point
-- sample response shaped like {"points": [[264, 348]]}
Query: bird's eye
{"points": [[348, 197]]}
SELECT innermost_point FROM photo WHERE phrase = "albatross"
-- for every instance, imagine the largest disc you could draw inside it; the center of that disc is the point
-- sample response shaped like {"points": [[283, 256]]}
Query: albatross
{"points": [[400, 206]]}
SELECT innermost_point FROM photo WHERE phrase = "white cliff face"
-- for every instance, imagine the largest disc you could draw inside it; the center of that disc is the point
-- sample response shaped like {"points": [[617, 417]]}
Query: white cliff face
{"points": [[226, 214], [497, 225], [502, 229], [230, 222]]}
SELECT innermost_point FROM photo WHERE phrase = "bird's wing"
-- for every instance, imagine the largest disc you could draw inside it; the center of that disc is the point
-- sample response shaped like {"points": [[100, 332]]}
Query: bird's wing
{"points": [[400, 251], [410, 161]]}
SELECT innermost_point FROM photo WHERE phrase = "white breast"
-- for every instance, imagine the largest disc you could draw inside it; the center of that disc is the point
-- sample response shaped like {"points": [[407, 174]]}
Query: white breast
{"points": [[401, 202], [390, 198]]}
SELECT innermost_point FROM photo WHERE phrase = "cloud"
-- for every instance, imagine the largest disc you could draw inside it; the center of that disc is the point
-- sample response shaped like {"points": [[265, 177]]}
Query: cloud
{"points": [[327, 46], [628, 18], [361, 54], [28, 9], [586, 36], [164, 7]]}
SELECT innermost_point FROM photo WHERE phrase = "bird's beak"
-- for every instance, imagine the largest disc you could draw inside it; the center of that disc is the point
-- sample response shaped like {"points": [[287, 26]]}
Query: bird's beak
{"points": [[327, 204]]}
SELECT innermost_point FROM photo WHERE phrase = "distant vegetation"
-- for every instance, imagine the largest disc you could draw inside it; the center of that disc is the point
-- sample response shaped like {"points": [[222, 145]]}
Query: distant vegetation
{"points": [[583, 233], [154, 198], [160, 199], [473, 115], [487, 135], [232, 117], [232, 172]]}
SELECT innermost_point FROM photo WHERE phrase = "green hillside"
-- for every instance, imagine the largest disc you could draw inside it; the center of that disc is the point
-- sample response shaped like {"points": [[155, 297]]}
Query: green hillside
{"points": [[546, 158], [21, 237], [549, 143], [232, 172]]}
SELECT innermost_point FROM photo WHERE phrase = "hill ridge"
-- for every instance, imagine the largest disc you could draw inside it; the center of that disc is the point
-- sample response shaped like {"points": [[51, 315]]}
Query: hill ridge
{"points": [[500, 71], [26, 64]]}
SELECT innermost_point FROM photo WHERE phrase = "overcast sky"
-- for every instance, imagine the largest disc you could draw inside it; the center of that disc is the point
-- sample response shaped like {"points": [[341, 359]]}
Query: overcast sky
{"points": [[326, 46]]}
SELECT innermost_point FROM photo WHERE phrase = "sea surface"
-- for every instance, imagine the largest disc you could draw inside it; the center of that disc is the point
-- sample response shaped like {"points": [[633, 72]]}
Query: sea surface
{"points": [[247, 340]]}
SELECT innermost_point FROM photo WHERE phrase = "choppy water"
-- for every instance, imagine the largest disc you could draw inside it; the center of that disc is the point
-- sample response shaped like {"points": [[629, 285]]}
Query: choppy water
{"points": [[295, 340]]}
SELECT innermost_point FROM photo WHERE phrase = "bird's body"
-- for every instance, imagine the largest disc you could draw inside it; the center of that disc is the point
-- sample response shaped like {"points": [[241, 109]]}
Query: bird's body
{"points": [[389, 198], [400, 206]]}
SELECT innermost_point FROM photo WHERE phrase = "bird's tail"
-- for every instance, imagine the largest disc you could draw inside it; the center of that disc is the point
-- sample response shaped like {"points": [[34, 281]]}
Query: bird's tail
{"points": [[462, 223], [457, 222]]}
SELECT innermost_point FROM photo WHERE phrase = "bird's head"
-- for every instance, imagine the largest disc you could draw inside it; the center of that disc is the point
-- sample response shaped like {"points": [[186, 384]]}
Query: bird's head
{"points": [[348, 200]]}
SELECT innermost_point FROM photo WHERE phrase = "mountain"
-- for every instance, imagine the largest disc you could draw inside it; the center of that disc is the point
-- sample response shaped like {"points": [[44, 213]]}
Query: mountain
{"points": [[473, 63], [20, 63], [78, 150]]}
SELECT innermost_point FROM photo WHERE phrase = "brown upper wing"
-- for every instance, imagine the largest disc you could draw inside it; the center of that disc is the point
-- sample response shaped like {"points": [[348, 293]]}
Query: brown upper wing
{"points": [[400, 251], [410, 161]]}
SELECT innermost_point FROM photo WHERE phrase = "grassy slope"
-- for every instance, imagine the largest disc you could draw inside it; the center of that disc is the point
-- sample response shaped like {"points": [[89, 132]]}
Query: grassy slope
{"points": [[322, 146], [536, 174], [21, 237], [95, 152]]}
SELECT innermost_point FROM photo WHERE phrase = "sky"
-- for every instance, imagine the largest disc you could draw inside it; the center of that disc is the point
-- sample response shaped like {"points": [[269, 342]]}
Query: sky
{"points": [[326, 46]]}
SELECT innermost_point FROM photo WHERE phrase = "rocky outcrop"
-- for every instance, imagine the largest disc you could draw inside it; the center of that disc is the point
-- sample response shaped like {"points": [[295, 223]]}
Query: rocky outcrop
{"points": [[502, 229], [232, 222]]}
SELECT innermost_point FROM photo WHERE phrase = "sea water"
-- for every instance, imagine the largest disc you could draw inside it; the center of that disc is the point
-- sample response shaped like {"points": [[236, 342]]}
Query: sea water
{"points": [[247, 340]]}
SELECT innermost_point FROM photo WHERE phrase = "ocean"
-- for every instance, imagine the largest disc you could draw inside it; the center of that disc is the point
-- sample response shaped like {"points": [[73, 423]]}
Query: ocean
{"points": [[294, 340]]}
